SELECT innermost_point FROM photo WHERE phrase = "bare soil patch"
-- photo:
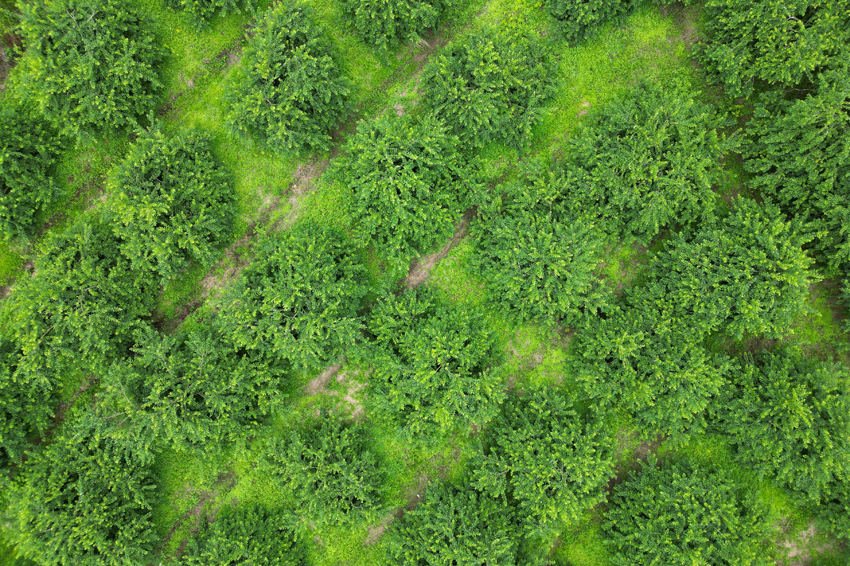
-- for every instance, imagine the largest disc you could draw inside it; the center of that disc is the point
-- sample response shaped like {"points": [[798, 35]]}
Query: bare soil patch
{"points": [[421, 268]]}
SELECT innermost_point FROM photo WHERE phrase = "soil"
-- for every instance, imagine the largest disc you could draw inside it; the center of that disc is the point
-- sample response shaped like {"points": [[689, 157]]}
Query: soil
{"points": [[421, 268], [319, 383]]}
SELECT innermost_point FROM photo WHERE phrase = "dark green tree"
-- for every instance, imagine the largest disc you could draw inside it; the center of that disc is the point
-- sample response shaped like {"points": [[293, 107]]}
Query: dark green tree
{"points": [[96, 65], [432, 363], [329, 466], [85, 500], [410, 185], [683, 513], [552, 461], [457, 527], [204, 10], [174, 202], [298, 300], [246, 536], [29, 146], [290, 92], [386, 23], [490, 87], [191, 390], [579, 19]]}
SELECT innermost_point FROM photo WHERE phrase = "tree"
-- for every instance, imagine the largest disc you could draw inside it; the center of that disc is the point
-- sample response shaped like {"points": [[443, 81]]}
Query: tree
{"points": [[204, 10], [431, 365], [549, 459], [488, 87], [298, 300], [29, 147], [647, 161], [84, 500], [290, 92], [190, 390], [330, 468], [789, 417], [771, 41], [744, 274], [245, 536], [684, 513], [83, 302], [799, 153], [174, 202], [579, 19], [410, 185], [96, 62], [385, 23], [456, 527]]}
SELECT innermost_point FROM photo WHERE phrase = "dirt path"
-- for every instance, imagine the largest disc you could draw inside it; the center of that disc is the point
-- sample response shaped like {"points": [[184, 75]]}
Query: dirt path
{"points": [[421, 269]]}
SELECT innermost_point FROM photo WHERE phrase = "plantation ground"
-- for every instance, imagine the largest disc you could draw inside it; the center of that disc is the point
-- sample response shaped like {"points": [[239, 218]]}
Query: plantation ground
{"points": [[275, 192]]}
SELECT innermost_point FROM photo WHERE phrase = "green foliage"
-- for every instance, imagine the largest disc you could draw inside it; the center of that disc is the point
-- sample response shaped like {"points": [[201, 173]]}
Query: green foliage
{"points": [[647, 161], [290, 92], [431, 366], [174, 202], [538, 259], [298, 300], [96, 63], [330, 468], [191, 390], [579, 19], [490, 87], [777, 42], [799, 151], [456, 527], [29, 146], [385, 23], [84, 501], [203, 10], [548, 458], [789, 417], [246, 536], [681, 513], [82, 303], [745, 274], [409, 183]]}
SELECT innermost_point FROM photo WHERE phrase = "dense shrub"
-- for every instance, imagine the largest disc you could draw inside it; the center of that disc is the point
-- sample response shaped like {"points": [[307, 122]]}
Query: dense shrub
{"points": [[190, 390], [773, 41], [385, 23], [432, 363], [174, 202], [554, 462], [578, 19], [539, 260], [96, 61], [799, 151], [29, 146], [290, 92], [745, 274], [203, 10], [330, 468], [82, 303], [456, 527], [85, 499], [245, 536], [489, 87], [410, 185], [298, 299], [789, 417], [682, 513], [648, 161]]}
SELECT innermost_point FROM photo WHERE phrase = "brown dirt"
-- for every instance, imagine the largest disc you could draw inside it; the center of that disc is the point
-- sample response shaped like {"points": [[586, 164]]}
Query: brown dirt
{"points": [[375, 532], [399, 109], [319, 383], [798, 549], [584, 108], [421, 268]]}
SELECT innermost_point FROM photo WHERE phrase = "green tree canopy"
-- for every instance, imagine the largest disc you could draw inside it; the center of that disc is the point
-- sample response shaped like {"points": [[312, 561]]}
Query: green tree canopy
{"points": [[549, 459], [298, 300], [174, 202], [290, 92], [410, 185], [385, 23], [203, 10], [432, 363], [579, 19], [29, 147], [683, 513], [96, 64], [84, 500], [490, 87], [329, 466]]}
